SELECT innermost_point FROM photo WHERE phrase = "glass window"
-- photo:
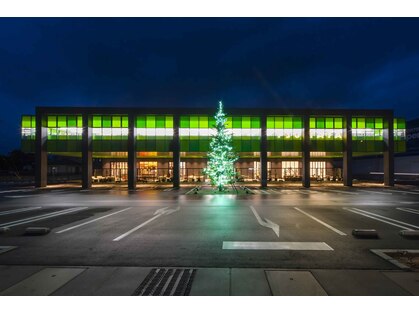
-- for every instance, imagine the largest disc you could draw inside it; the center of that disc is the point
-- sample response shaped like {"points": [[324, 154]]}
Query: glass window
{"points": [[106, 122], [52, 121], [150, 121]]}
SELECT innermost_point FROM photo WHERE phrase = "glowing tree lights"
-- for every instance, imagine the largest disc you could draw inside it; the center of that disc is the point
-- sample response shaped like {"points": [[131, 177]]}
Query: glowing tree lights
{"points": [[221, 157]]}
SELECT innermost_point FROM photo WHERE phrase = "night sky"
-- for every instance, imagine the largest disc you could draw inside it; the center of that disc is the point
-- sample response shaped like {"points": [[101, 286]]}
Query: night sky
{"points": [[281, 62]]}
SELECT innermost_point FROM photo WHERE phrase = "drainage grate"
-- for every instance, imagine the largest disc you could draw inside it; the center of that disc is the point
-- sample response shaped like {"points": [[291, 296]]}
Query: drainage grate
{"points": [[163, 281]]}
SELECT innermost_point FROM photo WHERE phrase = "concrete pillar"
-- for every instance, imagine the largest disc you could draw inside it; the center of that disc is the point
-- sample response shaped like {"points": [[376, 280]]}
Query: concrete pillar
{"points": [[132, 153], [86, 153], [41, 154], [347, 151], [306, 151], [263, 153], [388, 157], [176, 151]]}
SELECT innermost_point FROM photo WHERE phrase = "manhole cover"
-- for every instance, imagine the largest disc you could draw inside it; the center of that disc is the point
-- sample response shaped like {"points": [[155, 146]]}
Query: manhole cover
{"points": [[166, 282]]}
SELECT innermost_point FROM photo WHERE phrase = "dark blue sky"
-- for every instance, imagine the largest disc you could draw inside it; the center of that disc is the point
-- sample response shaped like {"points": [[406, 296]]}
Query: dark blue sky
{"points": [[246, 62]]}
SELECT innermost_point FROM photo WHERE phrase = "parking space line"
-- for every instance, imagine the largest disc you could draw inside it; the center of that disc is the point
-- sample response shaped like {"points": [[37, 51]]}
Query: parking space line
{"points": [[19, 210], [370, 215], [160, 212], [343, 192], [407, 192], [294, 246], [14, 191], [93, 220], [264, 192], [321, 222], [384, 217], [41, 217], [409, 210], [375, 192], [191, 190]]}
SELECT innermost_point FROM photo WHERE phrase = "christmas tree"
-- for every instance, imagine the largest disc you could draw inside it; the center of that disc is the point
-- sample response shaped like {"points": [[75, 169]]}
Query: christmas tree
{"points": [[221, 157]]}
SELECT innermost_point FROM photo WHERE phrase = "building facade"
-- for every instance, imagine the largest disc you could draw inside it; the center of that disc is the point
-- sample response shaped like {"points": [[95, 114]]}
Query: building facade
{"points": [[170, 145]]}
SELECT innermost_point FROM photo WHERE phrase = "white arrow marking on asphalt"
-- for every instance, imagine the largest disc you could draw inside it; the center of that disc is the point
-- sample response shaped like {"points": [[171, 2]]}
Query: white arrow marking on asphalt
{"points": [[267, 224], [158, 213]]}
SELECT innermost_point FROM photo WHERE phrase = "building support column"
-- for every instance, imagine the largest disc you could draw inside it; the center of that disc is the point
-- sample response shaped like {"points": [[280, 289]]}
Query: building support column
{"points": [[176, 151], [347, 151], [306, 151], [388, 158], [41, 154], [86, 153], [132, 153], [263, 153]]}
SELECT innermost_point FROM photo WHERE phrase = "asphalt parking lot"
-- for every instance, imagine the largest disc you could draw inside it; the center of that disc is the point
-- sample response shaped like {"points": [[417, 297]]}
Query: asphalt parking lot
{"points": [[160, 226]]}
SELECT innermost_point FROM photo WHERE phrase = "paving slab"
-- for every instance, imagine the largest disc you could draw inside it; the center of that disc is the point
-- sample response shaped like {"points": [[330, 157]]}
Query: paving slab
{"points": [[294, 283], [409, 281], [11, 275], [249, 282], [87, 283], [123, 281], [44, 282], [357, 283], [211, 282], [109, 281]]}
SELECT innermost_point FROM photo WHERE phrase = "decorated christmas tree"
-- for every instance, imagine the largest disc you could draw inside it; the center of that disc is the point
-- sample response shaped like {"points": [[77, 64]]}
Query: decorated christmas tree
{"points": [[221, 157]]}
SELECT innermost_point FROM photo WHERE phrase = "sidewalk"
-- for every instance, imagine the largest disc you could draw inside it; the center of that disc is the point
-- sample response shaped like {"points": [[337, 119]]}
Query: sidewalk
{"points": [[83, 280]]}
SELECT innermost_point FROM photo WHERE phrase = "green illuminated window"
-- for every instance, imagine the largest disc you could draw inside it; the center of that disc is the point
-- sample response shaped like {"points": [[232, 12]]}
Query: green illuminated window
{"points": [[154, 133], [284, 133]]}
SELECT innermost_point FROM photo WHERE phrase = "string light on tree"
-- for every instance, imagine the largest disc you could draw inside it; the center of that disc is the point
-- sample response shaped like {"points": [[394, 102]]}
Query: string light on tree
{"points": [[221, 157]]}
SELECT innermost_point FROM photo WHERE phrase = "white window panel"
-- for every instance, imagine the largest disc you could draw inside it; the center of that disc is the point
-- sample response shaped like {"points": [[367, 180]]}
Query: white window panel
{"points": [[97, 132], [183, 132], [237, 132], [141, 131], [194, 132], [107, 131], [255, 132], [150, 132], [160, 132], [246, 132]]}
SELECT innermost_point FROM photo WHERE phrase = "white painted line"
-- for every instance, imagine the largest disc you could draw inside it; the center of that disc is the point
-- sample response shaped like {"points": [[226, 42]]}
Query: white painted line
{"points": [[376, 192], [20, 210], [255, 191], [20, 196], [293, 246], [190, 191], [375, 218], [167, 190], [14, 191], [93, 220], [407, 192], [384, 217], [160, 212], [343, 192], [321, 222], [41, 217], [4, 249], [410, 203], [268, 224], [264, 192], [408, 210]]}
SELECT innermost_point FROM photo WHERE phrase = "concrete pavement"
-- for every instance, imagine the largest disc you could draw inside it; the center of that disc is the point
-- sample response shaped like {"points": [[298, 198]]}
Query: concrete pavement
{"points": [[91, 281]]}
